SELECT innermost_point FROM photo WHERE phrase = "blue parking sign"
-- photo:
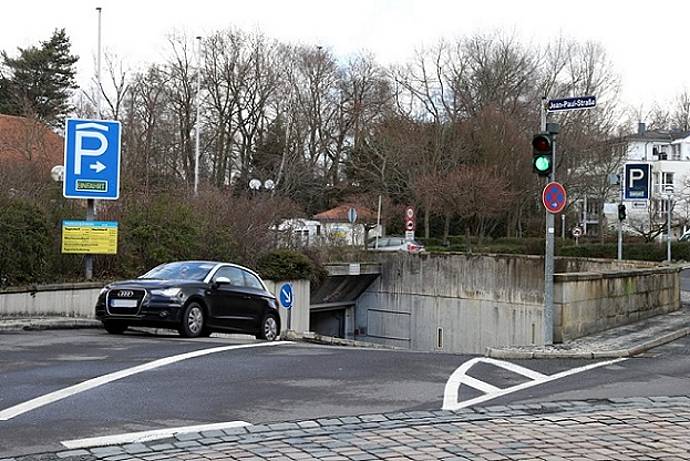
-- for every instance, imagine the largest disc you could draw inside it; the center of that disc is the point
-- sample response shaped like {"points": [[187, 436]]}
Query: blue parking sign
{"points": [[638, 179], [92, 159]]}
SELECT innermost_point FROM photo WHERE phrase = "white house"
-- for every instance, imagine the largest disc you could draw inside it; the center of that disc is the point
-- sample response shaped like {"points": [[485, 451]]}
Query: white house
{"points": [[668, 153], [331, 227]]}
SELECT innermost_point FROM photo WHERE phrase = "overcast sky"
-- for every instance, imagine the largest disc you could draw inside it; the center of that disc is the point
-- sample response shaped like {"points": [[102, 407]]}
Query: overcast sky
{"points": [[647, 42]]}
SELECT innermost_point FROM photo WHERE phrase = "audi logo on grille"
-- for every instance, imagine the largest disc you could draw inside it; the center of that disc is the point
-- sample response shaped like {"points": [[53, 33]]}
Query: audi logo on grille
{"points": [[125, 293]]}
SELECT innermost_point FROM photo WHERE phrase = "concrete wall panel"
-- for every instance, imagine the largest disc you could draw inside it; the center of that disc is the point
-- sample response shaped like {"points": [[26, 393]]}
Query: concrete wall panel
{"points": [[497, 300]]}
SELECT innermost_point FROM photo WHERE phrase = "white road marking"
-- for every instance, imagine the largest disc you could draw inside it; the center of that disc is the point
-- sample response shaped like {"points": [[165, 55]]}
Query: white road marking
{"points": [[46, 399], [526, 372], [148, 436], [459, 377], [480, 385]]}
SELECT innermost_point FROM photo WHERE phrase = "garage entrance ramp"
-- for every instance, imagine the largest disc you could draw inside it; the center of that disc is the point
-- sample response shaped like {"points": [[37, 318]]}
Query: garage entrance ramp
{"points": [[333, 301]]}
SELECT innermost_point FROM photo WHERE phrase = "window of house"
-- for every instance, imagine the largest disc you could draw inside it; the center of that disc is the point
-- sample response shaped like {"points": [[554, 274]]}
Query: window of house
{"points": [[675, 152], [660, 152], [593, 207], [666, 180]]}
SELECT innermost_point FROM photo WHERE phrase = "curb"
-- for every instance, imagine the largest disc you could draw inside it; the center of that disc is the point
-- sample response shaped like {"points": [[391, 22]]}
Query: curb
{"points": [[498, 353], [315, 338], [47, 324]]}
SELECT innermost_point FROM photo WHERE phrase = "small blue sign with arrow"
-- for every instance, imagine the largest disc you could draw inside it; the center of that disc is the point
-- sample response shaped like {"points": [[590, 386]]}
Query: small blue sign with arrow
{"points": [[285, 296]]}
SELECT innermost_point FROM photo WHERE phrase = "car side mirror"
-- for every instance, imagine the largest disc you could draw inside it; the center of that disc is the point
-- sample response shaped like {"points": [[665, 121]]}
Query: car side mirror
{"points": [[221, 281]]}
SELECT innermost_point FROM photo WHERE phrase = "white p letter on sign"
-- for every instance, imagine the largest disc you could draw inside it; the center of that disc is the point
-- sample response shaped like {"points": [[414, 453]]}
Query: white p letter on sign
{"points": [[81, 133]]}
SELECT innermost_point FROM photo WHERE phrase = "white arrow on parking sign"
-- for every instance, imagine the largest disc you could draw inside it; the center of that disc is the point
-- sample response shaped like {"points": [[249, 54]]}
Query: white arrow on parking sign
{"points": [[287, 296], [98, 166]]}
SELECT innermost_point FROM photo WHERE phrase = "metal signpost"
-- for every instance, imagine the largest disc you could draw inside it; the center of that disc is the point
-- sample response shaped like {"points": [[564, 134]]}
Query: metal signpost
{"points": [[615, 180], [668, 195], [635, 184], [551, 200], [352, 217], [92, 166], [577, 233]]}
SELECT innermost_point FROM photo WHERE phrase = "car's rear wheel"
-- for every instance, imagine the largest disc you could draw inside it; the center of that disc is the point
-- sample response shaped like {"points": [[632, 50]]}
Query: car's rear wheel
{"points": [[268, 329], [193, 320], [114, 327]]}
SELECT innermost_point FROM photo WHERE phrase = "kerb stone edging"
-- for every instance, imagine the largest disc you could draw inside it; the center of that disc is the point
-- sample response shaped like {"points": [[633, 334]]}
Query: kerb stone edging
{"points": [[499, 353]]}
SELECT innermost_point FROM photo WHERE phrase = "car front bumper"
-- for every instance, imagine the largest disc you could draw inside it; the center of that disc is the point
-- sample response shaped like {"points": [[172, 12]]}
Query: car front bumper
{"points": [[149, 310]]}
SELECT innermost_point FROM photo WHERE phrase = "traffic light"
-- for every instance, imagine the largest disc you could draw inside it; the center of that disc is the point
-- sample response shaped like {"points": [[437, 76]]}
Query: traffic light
{"points": [[542, 154], [621, 212]]}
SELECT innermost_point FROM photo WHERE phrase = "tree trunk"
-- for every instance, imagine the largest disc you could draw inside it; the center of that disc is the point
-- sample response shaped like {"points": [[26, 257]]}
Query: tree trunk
{"points": [[426, 222], [446, 229], [600, 219], [468, 241]]}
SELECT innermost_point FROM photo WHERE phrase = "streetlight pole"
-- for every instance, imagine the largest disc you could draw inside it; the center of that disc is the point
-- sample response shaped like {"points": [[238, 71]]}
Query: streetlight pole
{"points": [[668, 226], [91, 203], [198, 115], [620, 221]]}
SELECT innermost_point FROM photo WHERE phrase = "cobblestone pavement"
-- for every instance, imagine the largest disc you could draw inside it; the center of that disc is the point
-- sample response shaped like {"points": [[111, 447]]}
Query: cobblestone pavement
{"points": [[617, 429]]}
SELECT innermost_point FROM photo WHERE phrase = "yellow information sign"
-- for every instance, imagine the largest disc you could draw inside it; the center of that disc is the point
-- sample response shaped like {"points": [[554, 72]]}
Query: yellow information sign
{"points": [[89, 237]]}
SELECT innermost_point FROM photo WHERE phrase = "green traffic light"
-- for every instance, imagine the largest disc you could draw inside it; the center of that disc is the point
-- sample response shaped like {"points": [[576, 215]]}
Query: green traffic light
{"points": [[542, 163]]}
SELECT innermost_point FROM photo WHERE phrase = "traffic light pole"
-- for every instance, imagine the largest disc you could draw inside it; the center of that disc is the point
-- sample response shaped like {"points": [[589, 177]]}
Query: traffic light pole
{"points": [[549, 249], [620, 221]]}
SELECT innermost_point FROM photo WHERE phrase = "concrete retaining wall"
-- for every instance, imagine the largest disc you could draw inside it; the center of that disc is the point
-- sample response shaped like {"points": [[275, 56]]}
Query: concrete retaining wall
{"points": [[465, 303], [66, 300], [587, 303], [79, 299], [454, 303]]}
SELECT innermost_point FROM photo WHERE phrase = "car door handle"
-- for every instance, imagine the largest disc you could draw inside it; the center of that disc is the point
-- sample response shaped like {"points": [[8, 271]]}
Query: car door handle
{"points": [[246, 297]]}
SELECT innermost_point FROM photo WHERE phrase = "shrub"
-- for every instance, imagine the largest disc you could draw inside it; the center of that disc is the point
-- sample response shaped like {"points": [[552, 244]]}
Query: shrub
{"points": [[635, 251], [289, 265], [157, 232], [25, 244], [430, 242], [455, 240]]}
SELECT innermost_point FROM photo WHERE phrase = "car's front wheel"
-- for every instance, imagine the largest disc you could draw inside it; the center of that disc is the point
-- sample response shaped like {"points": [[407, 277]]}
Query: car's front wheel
{"points": [[193, 321], [114, 328], [268, 329]]}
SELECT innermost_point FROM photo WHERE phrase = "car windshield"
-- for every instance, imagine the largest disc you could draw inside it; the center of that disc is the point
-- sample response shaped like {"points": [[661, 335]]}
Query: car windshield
{"points": [[179, 271]]}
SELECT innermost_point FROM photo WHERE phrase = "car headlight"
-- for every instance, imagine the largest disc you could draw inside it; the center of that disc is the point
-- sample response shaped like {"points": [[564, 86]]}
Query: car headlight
{"points": [[167, 292], [104, 289]]}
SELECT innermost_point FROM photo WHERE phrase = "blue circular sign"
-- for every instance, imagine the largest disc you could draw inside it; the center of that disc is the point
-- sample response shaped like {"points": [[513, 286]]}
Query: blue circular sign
{"points": [[285, 296]]}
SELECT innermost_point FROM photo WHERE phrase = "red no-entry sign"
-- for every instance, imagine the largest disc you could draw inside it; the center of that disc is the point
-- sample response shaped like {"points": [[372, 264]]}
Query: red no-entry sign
{"points": [[554, 197]]}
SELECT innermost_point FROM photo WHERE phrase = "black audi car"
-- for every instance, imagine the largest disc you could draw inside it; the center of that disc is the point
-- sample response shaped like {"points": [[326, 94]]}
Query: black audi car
{"points": [[194, 297]]}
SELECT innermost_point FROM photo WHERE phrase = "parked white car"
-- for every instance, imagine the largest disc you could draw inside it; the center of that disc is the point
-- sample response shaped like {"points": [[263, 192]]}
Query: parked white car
{"points": [[395, 244]]}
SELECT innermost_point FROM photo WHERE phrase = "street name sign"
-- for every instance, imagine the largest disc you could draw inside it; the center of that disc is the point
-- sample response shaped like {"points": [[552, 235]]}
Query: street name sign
{"points": [[577, 103], [637, 184], [89, 237], [554, 197], [92, 159]]}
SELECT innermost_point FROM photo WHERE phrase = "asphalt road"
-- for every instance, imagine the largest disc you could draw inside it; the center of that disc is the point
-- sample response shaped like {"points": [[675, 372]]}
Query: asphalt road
{"points": [[264, 384]]}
